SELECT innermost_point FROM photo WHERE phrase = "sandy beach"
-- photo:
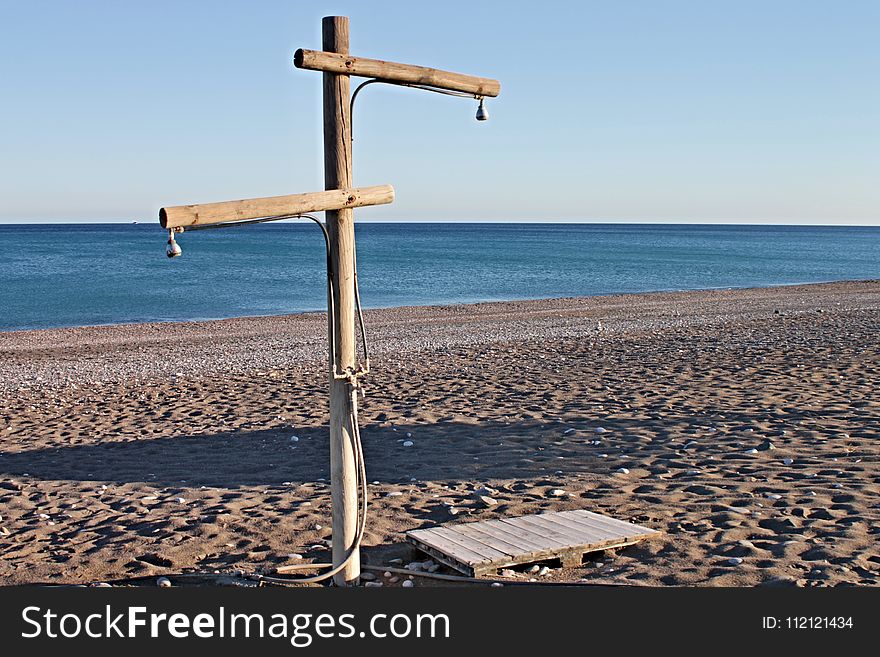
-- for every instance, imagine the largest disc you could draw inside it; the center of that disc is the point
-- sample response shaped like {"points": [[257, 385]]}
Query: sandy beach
{"points": [[742, 424]]}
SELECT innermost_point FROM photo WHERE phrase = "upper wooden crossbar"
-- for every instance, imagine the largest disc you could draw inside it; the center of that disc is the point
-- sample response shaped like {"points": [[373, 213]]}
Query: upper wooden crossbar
{"points": [[331, 62]]}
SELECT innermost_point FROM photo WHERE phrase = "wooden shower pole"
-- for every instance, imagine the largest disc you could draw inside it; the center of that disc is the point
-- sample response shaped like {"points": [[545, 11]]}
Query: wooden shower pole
{"points": [[340, 226], [337, 66]]}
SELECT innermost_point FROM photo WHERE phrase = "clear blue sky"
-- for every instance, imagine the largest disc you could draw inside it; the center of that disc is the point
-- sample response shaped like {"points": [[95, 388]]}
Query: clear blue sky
{"points": [[679, 111]]}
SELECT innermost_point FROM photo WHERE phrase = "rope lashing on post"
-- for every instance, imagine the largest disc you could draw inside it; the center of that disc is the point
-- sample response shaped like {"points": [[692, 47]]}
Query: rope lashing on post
{"points": [[352, 376]]}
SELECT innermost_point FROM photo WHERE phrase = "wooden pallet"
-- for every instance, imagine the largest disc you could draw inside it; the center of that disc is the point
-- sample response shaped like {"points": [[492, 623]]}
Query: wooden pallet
{"points": [[481, 548]]}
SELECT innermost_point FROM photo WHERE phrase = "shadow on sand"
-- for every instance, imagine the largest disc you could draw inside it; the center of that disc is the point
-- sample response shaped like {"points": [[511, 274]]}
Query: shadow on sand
{"points": [[442, 451]]}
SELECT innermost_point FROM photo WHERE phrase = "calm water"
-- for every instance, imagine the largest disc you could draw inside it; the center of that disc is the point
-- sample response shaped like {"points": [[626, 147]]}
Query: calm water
{"points": [[69, 275]]}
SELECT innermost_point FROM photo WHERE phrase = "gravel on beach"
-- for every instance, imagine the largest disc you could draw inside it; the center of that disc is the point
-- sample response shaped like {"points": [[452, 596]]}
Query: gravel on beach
{"points": [[96, 355]]}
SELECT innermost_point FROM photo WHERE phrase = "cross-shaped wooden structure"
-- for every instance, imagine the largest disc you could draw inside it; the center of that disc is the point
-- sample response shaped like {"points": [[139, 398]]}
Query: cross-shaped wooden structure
{"points": [[338, 202]]}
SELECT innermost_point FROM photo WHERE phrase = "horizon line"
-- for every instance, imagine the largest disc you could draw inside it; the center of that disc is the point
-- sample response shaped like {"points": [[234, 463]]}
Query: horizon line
{"points": [[640, 222]]}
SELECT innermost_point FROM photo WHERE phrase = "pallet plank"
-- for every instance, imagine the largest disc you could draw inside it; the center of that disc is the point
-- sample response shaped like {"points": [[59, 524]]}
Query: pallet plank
{"points": [[589, 525], [515, 546], [611, 524], [529, 541], [487, 552], [579, 535], [478, 548], [533, 525], [498, 542], [454, 549], [577, 538], [549, 549]]}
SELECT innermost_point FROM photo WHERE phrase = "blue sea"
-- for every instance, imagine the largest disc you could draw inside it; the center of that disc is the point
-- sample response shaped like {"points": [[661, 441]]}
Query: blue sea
{"points": [[71, 275]]}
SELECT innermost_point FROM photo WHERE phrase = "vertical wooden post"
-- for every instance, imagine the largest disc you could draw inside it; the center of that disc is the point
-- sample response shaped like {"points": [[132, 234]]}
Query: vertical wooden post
{"points": [[340, 225]]}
